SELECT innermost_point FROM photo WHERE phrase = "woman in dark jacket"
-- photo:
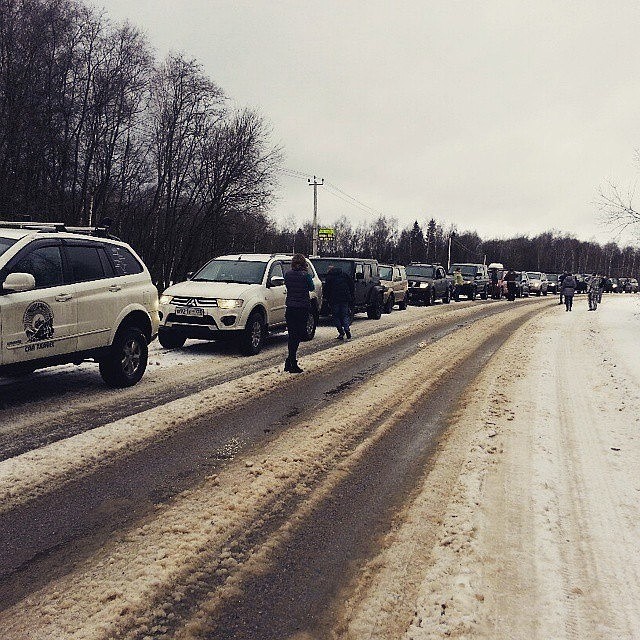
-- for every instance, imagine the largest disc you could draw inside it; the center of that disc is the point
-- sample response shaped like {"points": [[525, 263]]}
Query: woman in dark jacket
{"points": [[299, 283]]}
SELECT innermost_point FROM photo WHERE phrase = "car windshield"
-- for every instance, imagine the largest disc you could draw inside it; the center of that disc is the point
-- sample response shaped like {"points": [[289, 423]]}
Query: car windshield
{"points": [[420, 272], [534, 275], [322, 266], [386, 273], [465, 269], [5, 243], [552, 277], [240, 271]]}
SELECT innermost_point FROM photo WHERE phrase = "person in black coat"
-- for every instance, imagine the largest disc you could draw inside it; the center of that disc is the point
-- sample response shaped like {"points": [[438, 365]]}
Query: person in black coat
{"points": [[339, 291], [298, 306]]}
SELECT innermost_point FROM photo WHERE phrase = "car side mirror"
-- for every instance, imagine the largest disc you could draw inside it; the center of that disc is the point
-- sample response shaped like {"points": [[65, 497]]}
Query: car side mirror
{"points": [[19, 282], [276, 281], [359, 276]]}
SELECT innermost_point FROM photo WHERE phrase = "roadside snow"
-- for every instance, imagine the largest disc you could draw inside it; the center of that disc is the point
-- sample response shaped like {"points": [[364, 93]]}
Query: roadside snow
{"points": [[540, 533]]}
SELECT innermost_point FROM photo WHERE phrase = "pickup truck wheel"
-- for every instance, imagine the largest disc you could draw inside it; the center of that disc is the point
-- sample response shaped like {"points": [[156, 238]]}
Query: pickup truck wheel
{"points": [[252, 338], [312, 322], [446, 298], [126, 360], [388, 308], [374, 312], [472, 295], [403, 304], [484, 295], [171, 339]]}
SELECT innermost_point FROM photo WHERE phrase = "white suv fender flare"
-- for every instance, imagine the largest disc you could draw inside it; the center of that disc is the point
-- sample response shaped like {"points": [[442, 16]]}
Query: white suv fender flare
{"points": [[127, 311]]}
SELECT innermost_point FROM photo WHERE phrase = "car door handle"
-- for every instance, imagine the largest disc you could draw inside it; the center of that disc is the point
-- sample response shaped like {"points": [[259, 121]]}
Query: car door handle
{"points": [[115, 287], [64, 297]]}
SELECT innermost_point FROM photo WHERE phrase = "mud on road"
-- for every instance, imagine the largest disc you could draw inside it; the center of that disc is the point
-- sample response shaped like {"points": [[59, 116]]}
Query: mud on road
{"points": [[269, 541]]}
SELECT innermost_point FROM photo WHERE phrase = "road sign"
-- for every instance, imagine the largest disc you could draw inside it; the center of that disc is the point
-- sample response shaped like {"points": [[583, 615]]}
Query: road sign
{"points": [[326, 233]]}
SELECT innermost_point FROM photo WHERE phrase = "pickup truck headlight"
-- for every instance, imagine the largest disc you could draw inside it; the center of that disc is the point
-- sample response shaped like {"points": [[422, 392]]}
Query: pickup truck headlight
{"points": [[224, 303], [164, 299], [424, 285]]}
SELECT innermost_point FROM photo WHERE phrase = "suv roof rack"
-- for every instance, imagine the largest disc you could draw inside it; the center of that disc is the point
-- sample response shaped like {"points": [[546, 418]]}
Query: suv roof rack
{"points": [[58, 227]]}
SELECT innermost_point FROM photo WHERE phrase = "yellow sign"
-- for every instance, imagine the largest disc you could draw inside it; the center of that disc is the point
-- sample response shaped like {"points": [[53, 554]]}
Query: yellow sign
{"points": [[326, 233]]}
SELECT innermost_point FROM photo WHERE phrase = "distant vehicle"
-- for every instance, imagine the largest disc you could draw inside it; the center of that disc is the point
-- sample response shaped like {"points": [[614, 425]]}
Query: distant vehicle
{"points": [[611, 285], [630, 285], [476, 279], [522, 284], [394, 279], [538, 283], [581, 282], [240, 296], [427, 283], [553, 280], [369, 292]]}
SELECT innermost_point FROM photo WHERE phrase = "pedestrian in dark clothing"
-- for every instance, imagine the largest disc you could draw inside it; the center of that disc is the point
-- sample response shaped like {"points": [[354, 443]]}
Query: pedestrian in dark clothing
{"points": [[340, 294], [561, 278], [567, 289], [512, 285], [298, 306]]}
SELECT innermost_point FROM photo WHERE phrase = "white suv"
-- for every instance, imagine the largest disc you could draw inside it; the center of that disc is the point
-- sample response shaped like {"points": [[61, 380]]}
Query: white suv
{"points": [[67, 296], [235, 295]]}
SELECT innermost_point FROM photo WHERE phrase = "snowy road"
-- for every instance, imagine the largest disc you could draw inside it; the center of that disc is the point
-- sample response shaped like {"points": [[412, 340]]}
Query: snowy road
{"points": [[401, 487]]}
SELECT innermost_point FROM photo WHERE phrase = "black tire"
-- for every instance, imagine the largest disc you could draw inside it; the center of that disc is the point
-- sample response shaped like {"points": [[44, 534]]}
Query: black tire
{"points": [[171, 339], [472, 295], [446, 298], [544, 293], [388, 308], [403, 305], [252, 337], [538, 293], [126, 360], [485, 294], [312, 323], [374, 311]]}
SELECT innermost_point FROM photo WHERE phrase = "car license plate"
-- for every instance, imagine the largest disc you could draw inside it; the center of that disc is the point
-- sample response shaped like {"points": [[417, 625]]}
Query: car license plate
{"points": [[190, 311]]}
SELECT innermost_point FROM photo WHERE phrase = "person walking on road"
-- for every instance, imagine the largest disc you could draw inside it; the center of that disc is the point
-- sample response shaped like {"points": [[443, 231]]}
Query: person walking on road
{"points": [[458, 283], [593, 291], [511, 277], [561, 278], [567, 289], [299, 283], [339, 291]]}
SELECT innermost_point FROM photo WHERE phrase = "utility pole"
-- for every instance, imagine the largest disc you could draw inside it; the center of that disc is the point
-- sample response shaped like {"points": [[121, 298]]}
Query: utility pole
{"points": [[314, 242], [451, 235]]}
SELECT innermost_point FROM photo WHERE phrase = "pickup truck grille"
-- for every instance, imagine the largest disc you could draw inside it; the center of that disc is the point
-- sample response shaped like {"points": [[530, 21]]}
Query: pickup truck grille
{"points": [[185, 301]]}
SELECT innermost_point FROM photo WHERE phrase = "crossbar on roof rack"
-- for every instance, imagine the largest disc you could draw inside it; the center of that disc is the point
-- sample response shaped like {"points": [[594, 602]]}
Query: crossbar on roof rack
{"points": [[36, 226]]}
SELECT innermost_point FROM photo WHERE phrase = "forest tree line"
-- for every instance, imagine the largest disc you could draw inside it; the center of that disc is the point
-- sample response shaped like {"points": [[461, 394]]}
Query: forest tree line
{"points": [[93, 126]]}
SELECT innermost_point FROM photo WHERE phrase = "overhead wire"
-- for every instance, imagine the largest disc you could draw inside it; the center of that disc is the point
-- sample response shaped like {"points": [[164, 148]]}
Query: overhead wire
{"points": [[334, 190]]}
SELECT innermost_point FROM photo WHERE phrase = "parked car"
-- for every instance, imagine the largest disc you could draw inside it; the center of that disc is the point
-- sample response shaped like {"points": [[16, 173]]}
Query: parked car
{"points": [[241, 296], [581, 282], [394, 279], [369, 292], [538, 283], [428, 283], [611, 285], [522, 284], [476, 279], [553, 283], [630, 285], [70, 295]]}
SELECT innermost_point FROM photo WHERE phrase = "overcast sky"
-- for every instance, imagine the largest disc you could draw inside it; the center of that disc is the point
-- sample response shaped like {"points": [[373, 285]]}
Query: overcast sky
{"points": [[500, 116]]}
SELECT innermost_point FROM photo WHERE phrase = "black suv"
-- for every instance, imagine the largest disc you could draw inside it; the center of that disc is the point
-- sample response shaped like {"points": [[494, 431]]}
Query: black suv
{"points": [[368, 291], [427, 283], [476, 279]]}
